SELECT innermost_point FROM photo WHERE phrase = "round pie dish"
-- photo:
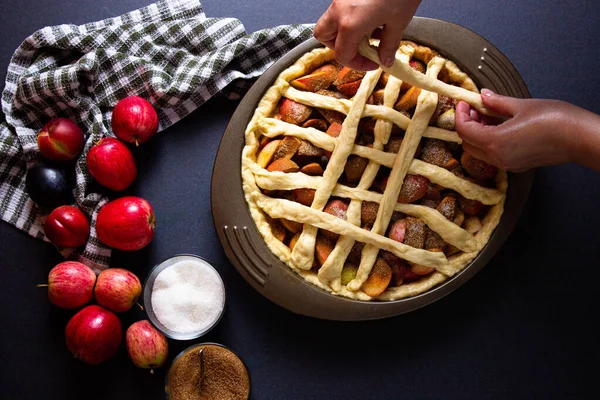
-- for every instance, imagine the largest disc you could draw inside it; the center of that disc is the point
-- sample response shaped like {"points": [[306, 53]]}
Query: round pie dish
{"points": [[245, 245]]}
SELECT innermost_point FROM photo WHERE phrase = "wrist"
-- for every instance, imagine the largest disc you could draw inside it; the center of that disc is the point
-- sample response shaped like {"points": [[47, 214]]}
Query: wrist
{"points": [[570, 132], [582, 135]]}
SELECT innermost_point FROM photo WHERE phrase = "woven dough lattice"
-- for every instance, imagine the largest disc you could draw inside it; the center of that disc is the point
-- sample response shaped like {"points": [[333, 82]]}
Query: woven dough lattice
{"points": [[357, 181]]}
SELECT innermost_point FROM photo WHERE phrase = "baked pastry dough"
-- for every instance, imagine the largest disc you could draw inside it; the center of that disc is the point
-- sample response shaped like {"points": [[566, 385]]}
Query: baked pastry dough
{"points": [[313, 217]]}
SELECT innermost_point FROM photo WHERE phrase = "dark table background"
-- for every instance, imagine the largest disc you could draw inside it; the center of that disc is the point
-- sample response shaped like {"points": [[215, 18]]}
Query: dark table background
{"points": [[524, 327]]}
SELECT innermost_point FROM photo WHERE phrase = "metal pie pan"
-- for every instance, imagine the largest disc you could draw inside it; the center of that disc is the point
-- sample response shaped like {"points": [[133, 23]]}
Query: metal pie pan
{"points": [[243, 244]]}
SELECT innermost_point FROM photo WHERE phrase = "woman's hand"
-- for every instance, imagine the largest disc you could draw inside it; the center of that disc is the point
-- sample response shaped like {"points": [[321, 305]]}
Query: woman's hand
{"points": [[535, 133], [346, 22]]}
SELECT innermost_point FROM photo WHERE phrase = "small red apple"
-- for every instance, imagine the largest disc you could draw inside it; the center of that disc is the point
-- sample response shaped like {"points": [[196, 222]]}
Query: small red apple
{"points": [[134, 120], [146, 346], [94, 334], [67, 226], [111, 163], [70, 284], [126, 224], [117, 289], [60, 140]]}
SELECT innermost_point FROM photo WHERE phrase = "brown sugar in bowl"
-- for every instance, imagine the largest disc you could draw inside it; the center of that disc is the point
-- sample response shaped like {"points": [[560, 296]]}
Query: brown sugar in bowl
{"points": [[225, 375]]}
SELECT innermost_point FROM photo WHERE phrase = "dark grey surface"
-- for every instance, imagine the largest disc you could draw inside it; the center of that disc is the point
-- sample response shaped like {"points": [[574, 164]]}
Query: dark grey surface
{"points": [[524, 327]]}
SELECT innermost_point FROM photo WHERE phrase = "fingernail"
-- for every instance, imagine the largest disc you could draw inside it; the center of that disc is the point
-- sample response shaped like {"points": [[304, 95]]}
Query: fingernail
{"points": [[388, 61], [487, 92], [473, 114]]}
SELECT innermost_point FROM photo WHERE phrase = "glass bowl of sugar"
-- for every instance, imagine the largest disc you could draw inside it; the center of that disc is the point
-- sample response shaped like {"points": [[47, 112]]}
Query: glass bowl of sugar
{"points": [[184, 297]]}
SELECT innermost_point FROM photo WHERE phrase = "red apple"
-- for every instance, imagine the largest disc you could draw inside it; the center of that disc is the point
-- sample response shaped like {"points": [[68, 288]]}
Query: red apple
{"points": [[126, 223], [117, 289], [67, 226], [70, 284], [94, 334], [60, 140], [111, 163], [134, 120], [146, 346]]}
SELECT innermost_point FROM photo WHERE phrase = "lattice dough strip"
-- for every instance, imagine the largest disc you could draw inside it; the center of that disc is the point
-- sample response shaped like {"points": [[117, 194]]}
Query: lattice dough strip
{"points": [[281, 208], [379, 112], [426, 104], [447, 229], [438, 175], [389, 114], [413, 288], [424, 81], [331, 271], [303, 252]]}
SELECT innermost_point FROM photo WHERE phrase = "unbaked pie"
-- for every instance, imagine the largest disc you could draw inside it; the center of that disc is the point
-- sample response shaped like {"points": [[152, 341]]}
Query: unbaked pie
{"points": [[358, 182]]}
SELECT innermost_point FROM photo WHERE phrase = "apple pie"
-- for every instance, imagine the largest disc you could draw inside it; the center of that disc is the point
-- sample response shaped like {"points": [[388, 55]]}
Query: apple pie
{"points": [[357, 180]]}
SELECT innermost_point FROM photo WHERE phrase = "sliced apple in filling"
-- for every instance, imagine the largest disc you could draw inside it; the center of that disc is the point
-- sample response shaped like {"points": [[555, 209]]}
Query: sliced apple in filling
{"points": [[355, 167], [313, 169], [277, 229], [323, 248], [292, 226], [316, 123], [304, 196], [293, 112], [408, 101], [379, 278], [283, 165], [348, 273], [266, 154], [287, 148], [319, 79], [347, 74], [337, 208], [349, 89]]}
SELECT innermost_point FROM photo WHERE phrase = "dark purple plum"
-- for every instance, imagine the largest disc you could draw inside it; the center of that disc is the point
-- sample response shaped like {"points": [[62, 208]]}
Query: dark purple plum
{"points": [[49, 186]]}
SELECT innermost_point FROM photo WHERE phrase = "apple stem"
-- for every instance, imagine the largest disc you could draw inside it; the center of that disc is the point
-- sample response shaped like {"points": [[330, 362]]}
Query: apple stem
{"points": [[136, 143], [42, 285], [152, 370], [140, 306]]}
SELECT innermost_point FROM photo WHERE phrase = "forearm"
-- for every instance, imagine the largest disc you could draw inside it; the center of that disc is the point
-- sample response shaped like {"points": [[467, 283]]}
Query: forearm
{"points": [[583, 129]]}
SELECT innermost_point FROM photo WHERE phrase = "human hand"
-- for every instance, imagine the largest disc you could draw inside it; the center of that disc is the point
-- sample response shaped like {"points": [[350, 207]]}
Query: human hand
{"points": [[346, 22], [535, 132]]}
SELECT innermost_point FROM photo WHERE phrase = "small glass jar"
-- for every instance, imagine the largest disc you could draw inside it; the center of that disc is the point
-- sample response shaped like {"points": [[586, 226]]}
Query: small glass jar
{"points": [[148, 291]]}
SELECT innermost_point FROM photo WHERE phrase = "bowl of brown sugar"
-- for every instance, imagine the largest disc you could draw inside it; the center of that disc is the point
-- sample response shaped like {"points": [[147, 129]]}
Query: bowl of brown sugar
{"points": [[216, 374]]}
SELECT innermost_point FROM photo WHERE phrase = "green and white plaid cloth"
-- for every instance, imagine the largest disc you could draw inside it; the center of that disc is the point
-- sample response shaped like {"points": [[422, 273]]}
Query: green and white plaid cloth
{"points": [[169, 53]]}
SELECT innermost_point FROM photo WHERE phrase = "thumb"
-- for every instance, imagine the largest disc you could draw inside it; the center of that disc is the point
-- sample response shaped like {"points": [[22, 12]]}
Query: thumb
{"points": [[502, 105]]}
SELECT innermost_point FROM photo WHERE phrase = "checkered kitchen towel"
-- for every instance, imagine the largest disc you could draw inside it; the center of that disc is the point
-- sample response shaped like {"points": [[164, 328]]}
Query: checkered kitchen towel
{"points": [[169, 53]]}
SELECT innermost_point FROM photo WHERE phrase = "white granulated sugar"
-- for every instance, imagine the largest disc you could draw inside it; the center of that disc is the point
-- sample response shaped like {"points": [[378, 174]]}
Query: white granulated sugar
{"points": [[188, 296]]}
